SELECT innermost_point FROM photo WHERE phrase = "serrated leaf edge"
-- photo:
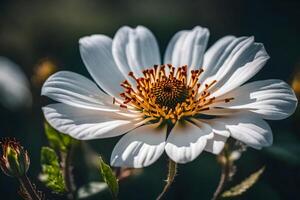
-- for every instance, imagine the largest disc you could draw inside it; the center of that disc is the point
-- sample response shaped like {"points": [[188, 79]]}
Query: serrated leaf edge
{"points": [[244, 185]]}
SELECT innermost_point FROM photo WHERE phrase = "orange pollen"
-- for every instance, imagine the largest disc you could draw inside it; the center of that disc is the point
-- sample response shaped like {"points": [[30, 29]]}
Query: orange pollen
{"points": [[168, 94]]}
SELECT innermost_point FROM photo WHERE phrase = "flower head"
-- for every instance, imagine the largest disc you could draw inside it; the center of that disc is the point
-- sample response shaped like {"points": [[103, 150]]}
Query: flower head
{"points": [[189, 103], [168, 97], [14, 86], [14, 160]]}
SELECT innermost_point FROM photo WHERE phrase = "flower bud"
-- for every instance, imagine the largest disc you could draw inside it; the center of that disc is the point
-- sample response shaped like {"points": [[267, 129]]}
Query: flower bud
{"points": [[296, 82], [14, 160]]}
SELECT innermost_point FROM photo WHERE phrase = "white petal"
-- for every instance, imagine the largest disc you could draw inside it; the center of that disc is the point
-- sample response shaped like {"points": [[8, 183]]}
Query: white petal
{"points": [[86, 124], [135, 49], [247, 128], [214, 57], [218, 126], [187, 140], [140, 147], [187, 48], [219, 111], [76, 90], [96, 53], [14, 86], [170, 48], [271, 99], [216, 144], [244, 59]]}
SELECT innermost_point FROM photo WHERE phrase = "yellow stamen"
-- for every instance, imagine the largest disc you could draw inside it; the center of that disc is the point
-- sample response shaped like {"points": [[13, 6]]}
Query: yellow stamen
{"points": [[159, 96]]}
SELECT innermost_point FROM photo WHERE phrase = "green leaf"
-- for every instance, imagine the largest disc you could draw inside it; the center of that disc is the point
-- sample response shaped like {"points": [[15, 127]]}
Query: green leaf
{"points": [[57, 140], [288, 154], [244, 185], [51, 173], [109, 178], [286, 148], [91, 189], [49, 157]]}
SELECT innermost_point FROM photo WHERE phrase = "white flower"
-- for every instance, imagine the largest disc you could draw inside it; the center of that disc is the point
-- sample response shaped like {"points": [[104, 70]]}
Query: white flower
{"points": [[192, 103], [14, 86]]}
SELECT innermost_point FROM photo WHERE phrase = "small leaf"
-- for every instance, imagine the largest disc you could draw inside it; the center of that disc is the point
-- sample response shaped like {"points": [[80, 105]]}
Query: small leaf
{"points": [[51, 172], [109, 178], [49, 157], [288, 153], [91, 189], [285, 148], [57, 140], [244, 185]]}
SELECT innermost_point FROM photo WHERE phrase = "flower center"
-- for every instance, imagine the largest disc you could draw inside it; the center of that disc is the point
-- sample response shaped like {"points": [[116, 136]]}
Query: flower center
{"points": [[167, 93]]}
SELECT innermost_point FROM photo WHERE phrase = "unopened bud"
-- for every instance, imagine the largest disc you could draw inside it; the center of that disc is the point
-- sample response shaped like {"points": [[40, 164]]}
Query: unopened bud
{"points": [[14, 160]]}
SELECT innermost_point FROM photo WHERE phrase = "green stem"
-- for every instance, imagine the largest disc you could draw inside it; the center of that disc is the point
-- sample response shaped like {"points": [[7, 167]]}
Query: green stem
{"points": [[171, 176], [226, 165], [222, 183], [29, 188], [67, 172]]}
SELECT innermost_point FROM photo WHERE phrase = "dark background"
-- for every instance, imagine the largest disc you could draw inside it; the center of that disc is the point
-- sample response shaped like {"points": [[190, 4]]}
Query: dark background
{"points": [[32, 31]]}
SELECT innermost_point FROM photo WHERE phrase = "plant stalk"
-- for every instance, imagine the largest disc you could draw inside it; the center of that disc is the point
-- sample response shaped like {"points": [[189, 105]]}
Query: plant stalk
{"points": [[222, 183], [226, 165], [67, 172], [172, 171], [29, 188]]}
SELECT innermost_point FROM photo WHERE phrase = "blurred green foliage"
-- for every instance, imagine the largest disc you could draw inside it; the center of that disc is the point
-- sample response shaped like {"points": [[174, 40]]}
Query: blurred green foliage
{"points": [[51, 172], [57, 140], [32, 30], [92, 190], [109, 177], [286, 149]]}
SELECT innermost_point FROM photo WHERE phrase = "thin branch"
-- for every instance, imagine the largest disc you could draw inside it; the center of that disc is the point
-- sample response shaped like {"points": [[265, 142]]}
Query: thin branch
{"points": [[30, 190], [223, 180], [171, 176], [67, 172], [227, 166]]}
